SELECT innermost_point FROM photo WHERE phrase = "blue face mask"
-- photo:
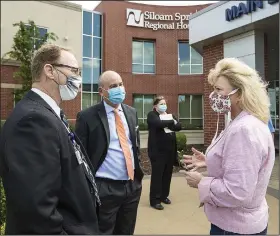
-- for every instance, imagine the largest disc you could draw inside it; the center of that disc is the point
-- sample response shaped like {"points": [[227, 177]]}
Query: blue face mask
{"points": [[116, 95], [162, 108]]}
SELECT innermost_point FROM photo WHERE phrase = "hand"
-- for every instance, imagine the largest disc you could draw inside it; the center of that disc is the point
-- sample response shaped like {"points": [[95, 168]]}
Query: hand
{"points": [[198, 155], [194, 162], [193, 178]]}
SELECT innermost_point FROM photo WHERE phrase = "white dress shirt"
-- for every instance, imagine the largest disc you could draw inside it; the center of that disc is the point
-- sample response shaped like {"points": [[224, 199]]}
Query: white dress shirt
{"points": [[48, 100]]}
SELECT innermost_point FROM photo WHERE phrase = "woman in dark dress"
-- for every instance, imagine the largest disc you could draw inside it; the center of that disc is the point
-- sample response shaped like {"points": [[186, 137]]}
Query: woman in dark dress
{"points": [[162, 151]]}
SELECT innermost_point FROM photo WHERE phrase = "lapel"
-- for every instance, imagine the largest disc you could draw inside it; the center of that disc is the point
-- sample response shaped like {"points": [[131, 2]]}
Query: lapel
{"points": [[130, 122], [222, 134], [103, 117], [37, 98]]}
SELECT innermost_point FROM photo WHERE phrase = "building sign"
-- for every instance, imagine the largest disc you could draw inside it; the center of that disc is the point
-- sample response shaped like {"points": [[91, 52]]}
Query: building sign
{"points": [[154, 21], [242, 8]]}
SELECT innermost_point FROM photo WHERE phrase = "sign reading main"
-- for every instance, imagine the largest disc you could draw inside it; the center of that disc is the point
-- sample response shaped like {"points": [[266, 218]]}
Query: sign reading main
{"points": [[146, 19], [242, 8]]}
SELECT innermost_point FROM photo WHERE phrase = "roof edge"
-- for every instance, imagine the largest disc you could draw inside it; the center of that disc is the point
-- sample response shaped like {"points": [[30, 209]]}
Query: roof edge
{"points": [[206, 9], [65, 4]]}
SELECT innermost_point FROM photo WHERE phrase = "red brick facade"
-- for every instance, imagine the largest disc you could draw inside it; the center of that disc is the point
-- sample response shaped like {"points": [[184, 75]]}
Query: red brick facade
{"points": [[211, 55], [117, 53]]}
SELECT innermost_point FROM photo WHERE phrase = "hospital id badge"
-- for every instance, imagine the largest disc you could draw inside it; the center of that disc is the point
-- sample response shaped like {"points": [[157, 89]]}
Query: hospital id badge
{"points": [[79, 158]]}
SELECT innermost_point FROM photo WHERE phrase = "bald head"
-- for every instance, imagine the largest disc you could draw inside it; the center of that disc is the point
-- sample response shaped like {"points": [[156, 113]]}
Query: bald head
{"points": [[108, 78]]}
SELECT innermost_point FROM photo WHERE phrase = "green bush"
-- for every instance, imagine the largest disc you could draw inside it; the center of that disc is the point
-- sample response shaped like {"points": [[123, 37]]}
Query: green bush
{"points": [[143, 126], [72, 127], [3, 229], [2, 207], [181, 141]]}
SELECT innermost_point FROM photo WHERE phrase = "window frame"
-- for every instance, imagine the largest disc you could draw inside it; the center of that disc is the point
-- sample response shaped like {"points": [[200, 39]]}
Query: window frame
{"points": [[91, 92], [190, 65], [143, 65], [143, 105], [190, 118]]}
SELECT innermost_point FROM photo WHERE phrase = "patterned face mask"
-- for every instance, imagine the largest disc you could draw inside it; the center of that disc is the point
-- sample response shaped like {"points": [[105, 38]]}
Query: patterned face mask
{"points": [[221, 103]]}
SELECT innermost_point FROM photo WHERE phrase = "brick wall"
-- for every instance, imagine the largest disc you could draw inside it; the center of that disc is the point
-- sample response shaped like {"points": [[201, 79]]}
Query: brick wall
{"points": [[211, 55], [117, 53]]}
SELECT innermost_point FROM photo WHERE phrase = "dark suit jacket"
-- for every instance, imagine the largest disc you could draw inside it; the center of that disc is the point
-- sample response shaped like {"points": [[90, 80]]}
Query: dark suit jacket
{"points": [[47, 191], [93, 130], [160, 144]]}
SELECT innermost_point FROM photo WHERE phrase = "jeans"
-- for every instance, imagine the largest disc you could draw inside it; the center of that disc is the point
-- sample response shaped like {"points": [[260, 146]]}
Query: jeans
{"points": [[215, 230]]}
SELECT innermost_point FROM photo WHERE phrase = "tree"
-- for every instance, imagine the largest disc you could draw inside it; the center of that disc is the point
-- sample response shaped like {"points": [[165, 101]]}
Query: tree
{"points": [[26, 41]]}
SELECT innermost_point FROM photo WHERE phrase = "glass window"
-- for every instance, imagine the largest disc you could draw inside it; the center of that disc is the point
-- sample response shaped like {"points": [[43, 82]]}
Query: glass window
{"points": [[87, 74], [143, 105], [87, 42], [189, 60], [96, 48], [38, 34], [191, 111], [96, 71], [42, 31], [92, 58], [143, 57], [137, 52], [149, 53], [97, 25], [87, 23]]}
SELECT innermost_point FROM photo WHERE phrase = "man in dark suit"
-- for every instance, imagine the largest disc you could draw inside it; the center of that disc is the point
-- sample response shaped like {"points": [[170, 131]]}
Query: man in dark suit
{"points": [[48, 180], [110, 135]]}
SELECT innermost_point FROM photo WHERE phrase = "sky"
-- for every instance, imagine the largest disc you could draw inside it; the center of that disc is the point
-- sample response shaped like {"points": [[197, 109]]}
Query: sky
{"points": [[92, 4]]}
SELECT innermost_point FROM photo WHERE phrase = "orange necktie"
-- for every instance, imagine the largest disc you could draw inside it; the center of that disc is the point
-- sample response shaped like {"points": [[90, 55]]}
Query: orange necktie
{"points": [[124, 145]]}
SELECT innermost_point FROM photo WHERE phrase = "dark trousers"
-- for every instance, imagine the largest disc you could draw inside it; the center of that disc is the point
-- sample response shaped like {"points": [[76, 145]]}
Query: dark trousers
{"points": [[119, 203], [161, 178], [215, 230]]}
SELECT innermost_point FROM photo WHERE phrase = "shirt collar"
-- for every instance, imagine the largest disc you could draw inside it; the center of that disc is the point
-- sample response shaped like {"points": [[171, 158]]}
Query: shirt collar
{"points": [[109, 109], [48, 100]]}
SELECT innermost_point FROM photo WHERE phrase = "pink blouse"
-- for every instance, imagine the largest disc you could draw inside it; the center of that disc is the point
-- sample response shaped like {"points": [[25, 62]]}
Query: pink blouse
{"points": [[239, 164]]}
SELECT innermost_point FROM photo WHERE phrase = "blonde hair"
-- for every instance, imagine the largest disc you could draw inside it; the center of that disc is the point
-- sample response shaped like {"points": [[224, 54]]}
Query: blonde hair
{"points": [[252, 90]]}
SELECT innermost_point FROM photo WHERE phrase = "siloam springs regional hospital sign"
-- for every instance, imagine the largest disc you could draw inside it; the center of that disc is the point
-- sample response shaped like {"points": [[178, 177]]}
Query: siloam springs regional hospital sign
{"points": [[154, 21]]}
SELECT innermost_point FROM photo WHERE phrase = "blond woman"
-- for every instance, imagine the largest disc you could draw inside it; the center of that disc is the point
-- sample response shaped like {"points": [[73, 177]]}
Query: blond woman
{"points": [[240, 160]]}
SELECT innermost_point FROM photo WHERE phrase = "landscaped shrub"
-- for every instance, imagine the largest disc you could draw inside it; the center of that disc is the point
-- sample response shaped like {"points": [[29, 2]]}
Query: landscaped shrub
{"points": [[181, 141], [2, 208], [143, 127]]}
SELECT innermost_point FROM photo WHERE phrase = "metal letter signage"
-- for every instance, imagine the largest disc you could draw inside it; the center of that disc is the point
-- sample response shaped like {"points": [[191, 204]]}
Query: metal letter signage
{"points": [[242, 8], [151, 20]]}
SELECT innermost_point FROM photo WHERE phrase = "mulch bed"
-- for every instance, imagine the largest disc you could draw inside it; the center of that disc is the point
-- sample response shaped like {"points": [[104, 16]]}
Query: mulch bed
{"points": [[146, 165]]}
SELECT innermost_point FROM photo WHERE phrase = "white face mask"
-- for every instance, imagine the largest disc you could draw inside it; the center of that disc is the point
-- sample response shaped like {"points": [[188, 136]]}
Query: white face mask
{"points": [[70, 90]]}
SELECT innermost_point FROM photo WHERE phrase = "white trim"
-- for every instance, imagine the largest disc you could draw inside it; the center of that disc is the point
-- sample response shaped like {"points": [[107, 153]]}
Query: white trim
{"points": [[11, 86]]}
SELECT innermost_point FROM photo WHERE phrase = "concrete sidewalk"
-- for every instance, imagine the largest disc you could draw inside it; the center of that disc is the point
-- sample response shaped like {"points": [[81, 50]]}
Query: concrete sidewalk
{"points": [[183, 216]]}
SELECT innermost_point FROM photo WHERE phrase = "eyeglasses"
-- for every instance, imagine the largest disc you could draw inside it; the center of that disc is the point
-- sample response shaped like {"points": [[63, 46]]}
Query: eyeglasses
{"points": [[75, 70]]}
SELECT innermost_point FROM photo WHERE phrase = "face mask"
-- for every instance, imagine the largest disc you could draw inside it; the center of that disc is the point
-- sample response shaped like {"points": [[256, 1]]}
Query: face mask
{"points": [[69, 90], [162, 108], [116, 95], [221, 103]]}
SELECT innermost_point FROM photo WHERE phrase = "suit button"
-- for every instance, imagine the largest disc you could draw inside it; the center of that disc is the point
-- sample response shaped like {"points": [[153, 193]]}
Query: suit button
{"points": [[91, 190]]}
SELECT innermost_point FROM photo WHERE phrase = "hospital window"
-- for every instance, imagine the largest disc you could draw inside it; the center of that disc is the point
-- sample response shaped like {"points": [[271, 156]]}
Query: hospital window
{"points": [[190, 62], [92, 58], [191, 111], [143, 103], [143, 57]]}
